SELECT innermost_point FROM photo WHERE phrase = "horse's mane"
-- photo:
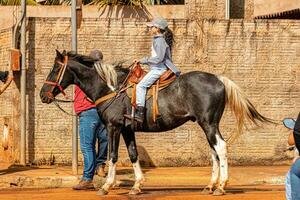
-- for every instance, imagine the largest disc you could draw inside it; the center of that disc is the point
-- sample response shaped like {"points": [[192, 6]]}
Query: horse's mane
{"points": [[83, 59], [108, 72]]}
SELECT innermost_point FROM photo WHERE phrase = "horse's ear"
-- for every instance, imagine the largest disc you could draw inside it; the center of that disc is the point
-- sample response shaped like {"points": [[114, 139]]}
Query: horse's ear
{"points": [[64, 53], [58, 55]]}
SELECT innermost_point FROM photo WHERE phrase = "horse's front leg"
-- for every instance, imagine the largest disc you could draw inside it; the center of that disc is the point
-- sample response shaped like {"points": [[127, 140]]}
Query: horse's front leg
{"points": [[113, 134], [129, 139]]}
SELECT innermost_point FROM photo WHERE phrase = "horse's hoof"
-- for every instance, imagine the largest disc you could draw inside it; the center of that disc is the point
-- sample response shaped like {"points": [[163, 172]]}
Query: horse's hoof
{"points": [[135, 191], [207, 190], [102, 192], [219, 192]]}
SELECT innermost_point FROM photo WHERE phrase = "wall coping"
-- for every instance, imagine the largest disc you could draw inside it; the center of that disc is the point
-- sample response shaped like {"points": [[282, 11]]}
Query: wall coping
{"points": [[108, 12]]}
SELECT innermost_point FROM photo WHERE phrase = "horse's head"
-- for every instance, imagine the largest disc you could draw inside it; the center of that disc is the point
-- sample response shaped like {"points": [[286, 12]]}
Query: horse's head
{"points": [[58, 79]]}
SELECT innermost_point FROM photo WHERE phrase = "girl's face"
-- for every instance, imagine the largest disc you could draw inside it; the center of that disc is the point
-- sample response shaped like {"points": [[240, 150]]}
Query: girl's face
{"points": [[154, 30]]}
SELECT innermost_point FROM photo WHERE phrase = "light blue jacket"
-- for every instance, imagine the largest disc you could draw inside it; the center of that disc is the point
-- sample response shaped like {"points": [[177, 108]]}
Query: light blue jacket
{"points": [[161, 55]]}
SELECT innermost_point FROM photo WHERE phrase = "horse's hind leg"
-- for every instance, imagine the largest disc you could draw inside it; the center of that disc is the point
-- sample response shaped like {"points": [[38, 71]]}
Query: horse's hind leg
{"points": [[221, 149], [219, 155], [129, 139], [215, 174]]}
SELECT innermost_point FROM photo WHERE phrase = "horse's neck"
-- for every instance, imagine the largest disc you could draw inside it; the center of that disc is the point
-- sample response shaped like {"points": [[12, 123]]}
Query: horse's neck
{"points": [[89, 82], [122, 75]]}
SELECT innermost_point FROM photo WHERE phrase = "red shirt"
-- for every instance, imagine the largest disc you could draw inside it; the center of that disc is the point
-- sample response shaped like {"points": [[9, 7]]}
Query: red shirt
{"points": [[81, 102]]}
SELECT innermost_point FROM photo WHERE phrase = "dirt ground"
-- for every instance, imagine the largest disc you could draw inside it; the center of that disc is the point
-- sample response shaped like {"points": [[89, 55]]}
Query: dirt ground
{"points": [[186, 183], [192, 193]]}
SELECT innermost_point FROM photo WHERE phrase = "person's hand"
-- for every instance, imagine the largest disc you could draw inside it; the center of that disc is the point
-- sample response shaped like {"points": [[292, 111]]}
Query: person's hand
{"points": [[10, 75]]}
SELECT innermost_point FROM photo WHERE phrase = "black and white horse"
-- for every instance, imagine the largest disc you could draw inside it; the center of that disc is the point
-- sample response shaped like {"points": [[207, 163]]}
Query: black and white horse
{"points": [[195, 96]]}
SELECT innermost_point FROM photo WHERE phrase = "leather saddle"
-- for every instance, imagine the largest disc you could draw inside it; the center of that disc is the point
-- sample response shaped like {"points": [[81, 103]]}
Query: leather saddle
{"points": [[137, 74]]}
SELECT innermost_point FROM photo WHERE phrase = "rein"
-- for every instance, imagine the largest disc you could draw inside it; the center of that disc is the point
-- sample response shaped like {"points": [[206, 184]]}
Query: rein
{"points": [[60, 108]]}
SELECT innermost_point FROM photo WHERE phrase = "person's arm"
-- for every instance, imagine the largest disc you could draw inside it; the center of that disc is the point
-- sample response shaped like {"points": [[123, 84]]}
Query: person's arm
{"points": [[7, 82], [160, 50], [291, 140]]}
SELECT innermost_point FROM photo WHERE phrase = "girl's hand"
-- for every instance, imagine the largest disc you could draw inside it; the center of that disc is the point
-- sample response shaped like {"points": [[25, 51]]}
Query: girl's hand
{"points": [[10, 75]]}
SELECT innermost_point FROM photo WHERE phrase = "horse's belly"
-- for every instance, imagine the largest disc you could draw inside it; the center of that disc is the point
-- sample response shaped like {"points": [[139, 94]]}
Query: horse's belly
{"points": [[162, 124]]}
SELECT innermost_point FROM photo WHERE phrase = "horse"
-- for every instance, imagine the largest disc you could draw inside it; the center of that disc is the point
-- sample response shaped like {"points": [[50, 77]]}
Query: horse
{"points": [[197, 96]]}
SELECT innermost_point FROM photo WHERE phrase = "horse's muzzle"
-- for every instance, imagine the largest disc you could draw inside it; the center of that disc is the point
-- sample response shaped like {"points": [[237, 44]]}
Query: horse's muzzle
{"points": [[46, 97]]}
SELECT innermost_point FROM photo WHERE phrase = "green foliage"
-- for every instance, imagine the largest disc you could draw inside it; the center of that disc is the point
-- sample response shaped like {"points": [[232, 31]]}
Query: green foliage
{"points": [[136, 2], [16, 2], [94, 2], [116, 2]]}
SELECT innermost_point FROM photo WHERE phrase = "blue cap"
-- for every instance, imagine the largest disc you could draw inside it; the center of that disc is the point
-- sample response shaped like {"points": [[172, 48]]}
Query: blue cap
{"points": [[159, 23], [289, 123]]}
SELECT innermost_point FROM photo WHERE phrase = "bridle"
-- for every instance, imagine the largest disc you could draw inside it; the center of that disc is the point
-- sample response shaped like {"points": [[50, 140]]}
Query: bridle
{"points": [[56, 83]]}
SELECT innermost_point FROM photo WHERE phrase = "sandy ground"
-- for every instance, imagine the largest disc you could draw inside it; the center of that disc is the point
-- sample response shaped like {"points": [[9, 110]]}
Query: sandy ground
{"points": [[246, 182]]}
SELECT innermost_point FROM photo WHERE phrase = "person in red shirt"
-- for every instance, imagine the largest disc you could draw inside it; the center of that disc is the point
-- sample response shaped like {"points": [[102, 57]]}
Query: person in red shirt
{"points": [[90, 128]]}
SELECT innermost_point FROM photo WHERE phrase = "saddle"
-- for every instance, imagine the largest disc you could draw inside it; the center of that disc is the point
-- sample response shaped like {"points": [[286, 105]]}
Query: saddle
{"points": [[137, 75]]}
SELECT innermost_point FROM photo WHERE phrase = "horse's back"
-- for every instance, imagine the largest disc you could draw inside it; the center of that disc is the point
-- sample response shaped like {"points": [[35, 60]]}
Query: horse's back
{"points": [[202, 80], [187, 98]]}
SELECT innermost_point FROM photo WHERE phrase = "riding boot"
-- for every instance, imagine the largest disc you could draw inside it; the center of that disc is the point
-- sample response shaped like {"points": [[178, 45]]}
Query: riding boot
{"points": [[139, 114]]}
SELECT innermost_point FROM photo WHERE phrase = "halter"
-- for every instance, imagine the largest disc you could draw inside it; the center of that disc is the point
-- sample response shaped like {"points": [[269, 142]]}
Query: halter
{"points": [[59, 78]]}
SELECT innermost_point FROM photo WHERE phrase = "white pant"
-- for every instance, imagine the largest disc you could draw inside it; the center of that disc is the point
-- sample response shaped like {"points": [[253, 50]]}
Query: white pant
{"points": [[141, 88]]}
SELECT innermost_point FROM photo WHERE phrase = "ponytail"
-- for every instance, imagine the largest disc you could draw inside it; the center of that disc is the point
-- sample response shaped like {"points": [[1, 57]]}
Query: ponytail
{"points": [[168, 37]]}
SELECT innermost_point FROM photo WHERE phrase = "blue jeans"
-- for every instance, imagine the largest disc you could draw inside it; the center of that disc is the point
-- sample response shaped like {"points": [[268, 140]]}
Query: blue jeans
{"points": [[293, 182], [141, 88], [90, 128]]}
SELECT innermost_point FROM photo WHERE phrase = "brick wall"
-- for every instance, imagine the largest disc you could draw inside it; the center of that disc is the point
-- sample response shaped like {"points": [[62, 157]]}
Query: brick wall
{"points": [[260, 56], [199, 9], [241, 9], [9, 106], [118, 40], [215, 9]]}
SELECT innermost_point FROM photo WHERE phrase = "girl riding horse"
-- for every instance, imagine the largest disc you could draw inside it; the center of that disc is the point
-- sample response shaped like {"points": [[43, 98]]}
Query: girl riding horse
{"points": [[159, 62]]}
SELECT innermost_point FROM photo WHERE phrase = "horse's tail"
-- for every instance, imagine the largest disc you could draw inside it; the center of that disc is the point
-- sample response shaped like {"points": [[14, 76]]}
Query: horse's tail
{"points": [[241, 106]]}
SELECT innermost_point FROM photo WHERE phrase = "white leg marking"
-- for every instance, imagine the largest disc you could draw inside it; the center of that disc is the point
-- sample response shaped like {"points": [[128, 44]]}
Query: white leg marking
{"points": [[139, 177], [221, 150], [215, 169], [111, 176]]}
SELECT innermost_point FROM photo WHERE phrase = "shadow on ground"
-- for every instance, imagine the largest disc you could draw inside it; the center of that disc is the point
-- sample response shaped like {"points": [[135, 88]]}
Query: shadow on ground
{"points": [[17, 168]]}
